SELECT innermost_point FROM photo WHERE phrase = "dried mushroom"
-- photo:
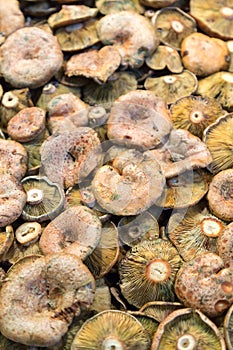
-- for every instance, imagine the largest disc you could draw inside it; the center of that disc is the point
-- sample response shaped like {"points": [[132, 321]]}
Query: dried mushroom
{"points": [[134, 229], [220, 196], [172, 87], [77, 230], [219, 86], [165, 57], [195, 113], [159, 310], [157, 4], [213, 54], [213, 17], [44, 199], [41, 297], [120, 83], [24, 60], [11, 18], [225, 245], [131, 185], [228, 326], [131, 33], [194, 232], [112, 329], [148, 322], [97, 64], [218, 138], [206, 284], [147, 272], [71, 14], [28, 232], [106, 6], [139, 118], [172, 25], [187, 329], [6, 240]]}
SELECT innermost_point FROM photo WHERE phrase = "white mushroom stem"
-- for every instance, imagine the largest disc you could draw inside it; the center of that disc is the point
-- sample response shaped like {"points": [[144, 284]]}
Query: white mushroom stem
{"points": [[168, 79], [211, 227], [228, 77], [177, 26], [112, 343], [186, 342], [35, 196], [49, 89], [196, 117], [134, 231], [227, 12], [9, 100], [158, 270]]}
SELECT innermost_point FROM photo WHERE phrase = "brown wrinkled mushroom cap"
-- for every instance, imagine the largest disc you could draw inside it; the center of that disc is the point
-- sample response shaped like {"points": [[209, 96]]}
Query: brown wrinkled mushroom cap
{"points": [[139, 118], [11, 17], [24, 57], [206, 284], [41, 297], [76, 230], [225, 245], [204, 55], [132, 34]]}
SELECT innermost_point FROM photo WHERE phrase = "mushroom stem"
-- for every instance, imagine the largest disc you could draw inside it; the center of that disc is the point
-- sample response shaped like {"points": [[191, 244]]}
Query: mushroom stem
{"points": [[9, 100], [112, 343], [158, 270], [35, 196], [227, 12], [211, 227], [168, 79], [186, 342], [177, 26], [196, 117]]}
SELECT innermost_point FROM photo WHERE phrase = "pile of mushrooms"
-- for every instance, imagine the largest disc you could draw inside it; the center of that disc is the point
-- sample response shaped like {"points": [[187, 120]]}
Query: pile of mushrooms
{"points": [[116, 175]]}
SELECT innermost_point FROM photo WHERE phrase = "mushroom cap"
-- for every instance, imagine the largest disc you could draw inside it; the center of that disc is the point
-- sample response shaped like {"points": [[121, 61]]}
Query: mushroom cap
{"points": [[139, 118], [24, 57], [165, 57], [77, 230], [206, 284], [41, 296], [133, 184], [131, 33], [11, 17]]}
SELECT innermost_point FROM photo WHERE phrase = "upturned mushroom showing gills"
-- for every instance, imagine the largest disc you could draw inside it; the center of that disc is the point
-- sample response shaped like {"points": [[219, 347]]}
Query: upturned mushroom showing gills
{"points": [[41, 296], [132, 34], [139, 118], [132, 184]]}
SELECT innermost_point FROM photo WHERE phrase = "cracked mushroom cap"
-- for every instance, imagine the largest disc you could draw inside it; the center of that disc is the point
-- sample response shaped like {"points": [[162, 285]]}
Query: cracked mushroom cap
{"points": [[219, 195], [204, 55], [214, 17], [41, 296], [139, 118], [132, 184], [187, 329], [131, 33], [148, 271], [206, 284], [77, 230], [195, 113], [112, 329]]}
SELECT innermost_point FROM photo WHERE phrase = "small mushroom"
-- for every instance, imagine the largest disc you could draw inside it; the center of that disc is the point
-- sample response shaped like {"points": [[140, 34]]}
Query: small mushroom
{"points": [[27, 124], [41, 296], [77, 230], [206, 284], [195, 113], [147, 272], [106, 7], [44, 199], [159, 310], [173, 86], [28, 232], [139, 118], [131, 33], [204, 55], [187, 329], [220, 195], [218, 138], [165, 57], [6, 240], [172, 25], [97, 64], [112, 329], [131, 185], [11, 17]]}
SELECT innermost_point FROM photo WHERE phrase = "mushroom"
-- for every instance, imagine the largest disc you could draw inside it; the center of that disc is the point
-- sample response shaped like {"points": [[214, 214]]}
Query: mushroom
{"points": [[220, 195], [165, 57], [157, 4], [147, 272], [148, 322], [204, 55], [187, 329], [11, 17], [206, 284], [195, 113], [131, 33], [28, 232], [41, 296], [77, 230], [45, 199], [159, 310], [131, 185], [139, 118], [69, 157], [106, 7], [96, 64], [111, 329], [6, 241], [172, 25], [225, 245], [173, 86], [227, 328]]}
